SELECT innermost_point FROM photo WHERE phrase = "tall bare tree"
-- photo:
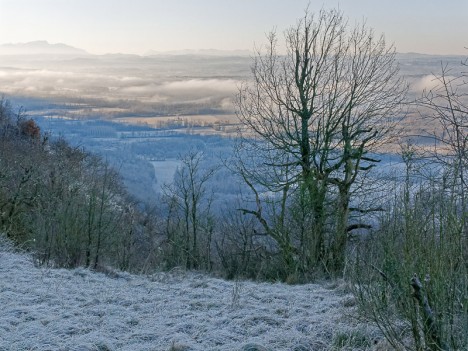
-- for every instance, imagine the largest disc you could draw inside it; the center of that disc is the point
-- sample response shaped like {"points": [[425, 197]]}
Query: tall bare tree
{"points": [[314, 114]]}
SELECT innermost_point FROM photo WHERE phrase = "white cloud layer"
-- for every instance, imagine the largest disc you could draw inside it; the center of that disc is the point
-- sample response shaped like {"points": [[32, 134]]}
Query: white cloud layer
{"points": [[47, 83]]}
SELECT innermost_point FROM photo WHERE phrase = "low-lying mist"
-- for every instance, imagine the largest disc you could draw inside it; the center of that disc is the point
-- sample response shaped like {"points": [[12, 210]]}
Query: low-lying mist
{"points": [[130, 86], [124, 86]]}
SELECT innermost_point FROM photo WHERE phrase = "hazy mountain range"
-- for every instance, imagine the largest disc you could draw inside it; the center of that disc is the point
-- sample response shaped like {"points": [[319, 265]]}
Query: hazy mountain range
{"points": [[43, 47], [40, 47]]}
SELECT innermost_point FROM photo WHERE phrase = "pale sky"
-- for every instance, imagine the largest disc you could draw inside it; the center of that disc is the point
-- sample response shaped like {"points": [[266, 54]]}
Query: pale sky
{"points": [[137, 26]]}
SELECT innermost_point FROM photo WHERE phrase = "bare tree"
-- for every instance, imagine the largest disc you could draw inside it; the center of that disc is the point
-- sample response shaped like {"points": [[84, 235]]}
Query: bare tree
{"points": [[190, 198], [316, 113]]}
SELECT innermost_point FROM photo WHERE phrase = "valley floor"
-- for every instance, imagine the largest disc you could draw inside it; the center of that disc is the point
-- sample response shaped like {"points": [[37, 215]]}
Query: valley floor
{"points": [[79, 310]]}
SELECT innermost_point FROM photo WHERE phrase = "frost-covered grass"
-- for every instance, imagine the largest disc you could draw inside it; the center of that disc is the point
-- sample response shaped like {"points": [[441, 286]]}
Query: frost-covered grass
{"points": [[57, 309]]}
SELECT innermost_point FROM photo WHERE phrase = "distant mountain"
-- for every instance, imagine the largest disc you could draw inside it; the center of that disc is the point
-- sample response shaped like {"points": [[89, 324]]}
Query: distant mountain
{"points": [[416, 55], [41, 47], [201, 52]]}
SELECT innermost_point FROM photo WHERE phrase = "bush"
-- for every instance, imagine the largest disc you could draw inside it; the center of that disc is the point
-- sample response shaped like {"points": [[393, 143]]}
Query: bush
{"points": [[411, 276]]}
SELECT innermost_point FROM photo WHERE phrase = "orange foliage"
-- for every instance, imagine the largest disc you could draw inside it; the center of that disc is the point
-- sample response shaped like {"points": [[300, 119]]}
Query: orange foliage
{"points": [[30, 128]]}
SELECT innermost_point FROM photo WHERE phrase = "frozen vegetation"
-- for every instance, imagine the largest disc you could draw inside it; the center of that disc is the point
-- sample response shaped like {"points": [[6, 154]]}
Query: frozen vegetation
{"points": [[57, 309]]}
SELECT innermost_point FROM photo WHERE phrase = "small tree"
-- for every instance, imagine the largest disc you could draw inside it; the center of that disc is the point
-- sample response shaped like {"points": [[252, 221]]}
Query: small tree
{"points": [[190, 206]]}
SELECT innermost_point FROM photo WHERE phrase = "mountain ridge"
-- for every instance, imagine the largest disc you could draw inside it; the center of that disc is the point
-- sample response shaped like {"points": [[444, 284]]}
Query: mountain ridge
{"points": [[40, 47], [44, 48]]}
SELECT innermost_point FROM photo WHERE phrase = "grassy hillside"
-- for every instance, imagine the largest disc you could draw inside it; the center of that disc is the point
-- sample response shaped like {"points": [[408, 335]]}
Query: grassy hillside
{"points": [[59, 309]]}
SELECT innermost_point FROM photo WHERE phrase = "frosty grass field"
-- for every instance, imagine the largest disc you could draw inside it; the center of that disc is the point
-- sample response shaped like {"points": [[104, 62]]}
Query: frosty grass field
{"points": [[79, 310]]}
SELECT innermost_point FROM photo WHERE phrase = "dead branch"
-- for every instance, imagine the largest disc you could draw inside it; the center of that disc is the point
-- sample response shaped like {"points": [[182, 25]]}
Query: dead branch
{"points": [[429, 320]]}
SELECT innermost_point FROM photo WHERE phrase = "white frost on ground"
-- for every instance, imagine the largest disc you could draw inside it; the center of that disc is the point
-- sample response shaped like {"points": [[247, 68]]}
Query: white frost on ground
{"points": [[79, 310]]}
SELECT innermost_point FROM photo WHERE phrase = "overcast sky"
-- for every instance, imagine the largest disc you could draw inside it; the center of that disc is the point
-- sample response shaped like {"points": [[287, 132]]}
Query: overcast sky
{"points": [[137, 26]]}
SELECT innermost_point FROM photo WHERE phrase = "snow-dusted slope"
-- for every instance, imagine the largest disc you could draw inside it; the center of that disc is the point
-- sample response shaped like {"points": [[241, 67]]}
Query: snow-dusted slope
{"points": [[57, 309]]}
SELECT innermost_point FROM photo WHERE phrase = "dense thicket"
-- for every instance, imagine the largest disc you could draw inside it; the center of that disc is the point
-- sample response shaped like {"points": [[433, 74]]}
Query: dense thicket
{"points": [[411, 275], [64, 204]]}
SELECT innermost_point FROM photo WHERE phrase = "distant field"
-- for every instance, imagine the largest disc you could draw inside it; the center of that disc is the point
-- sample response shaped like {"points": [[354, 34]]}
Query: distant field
{"points": [[198, 124], [199, 120]]}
